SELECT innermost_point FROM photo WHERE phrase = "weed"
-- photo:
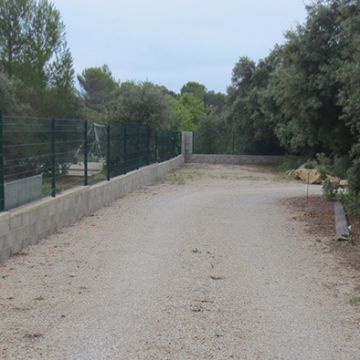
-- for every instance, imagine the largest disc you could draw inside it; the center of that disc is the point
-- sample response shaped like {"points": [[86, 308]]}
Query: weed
{"points": [[196, 251], [355, 300], [33, 336], [178, 179], [330, 190]]}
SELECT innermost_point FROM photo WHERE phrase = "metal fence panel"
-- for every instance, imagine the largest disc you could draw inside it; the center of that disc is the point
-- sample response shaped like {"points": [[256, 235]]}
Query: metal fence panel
{"points": [[43, 157]]}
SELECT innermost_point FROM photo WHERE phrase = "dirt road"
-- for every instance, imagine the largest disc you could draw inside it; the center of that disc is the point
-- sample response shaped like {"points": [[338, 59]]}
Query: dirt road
{"points": [[209, 264]]}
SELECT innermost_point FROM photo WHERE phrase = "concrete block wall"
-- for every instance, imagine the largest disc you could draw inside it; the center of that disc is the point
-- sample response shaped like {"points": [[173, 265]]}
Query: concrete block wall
{"points": [[29, 224], [224, 159], [236, 159]]}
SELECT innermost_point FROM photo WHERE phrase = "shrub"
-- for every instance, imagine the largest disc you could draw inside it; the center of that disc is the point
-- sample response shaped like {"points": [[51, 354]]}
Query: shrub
{"points": [[291, 163], [341, 166], [311, 164], [330, 190]]}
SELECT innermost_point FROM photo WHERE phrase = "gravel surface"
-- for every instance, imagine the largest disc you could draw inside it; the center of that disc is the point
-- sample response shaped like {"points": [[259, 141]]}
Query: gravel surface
{"points": [[209, 264]]}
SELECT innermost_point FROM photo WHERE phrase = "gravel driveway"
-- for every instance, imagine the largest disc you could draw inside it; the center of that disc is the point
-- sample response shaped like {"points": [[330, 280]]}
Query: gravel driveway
{"points": [[209, 264]]}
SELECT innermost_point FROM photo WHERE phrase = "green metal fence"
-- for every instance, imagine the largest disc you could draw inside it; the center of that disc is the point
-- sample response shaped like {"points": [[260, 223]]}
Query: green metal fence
{"points": [[43, 157]]}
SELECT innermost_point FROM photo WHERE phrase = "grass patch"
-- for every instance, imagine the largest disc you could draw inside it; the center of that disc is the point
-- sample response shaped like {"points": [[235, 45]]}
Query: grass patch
{"points": [[178, 179], [239, 177], [355, 301], [181, 178]]}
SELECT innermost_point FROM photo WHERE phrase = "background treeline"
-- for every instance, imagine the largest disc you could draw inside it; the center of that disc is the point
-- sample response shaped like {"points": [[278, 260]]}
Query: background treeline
{"points": [[302, 99], [37, 78]]}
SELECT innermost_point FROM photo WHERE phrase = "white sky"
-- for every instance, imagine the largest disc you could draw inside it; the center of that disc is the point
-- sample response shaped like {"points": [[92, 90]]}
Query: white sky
{"points": [[171, 42]]}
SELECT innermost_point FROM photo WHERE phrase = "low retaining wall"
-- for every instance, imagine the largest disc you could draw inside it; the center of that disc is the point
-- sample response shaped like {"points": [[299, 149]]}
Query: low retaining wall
{"points": [[31, 223], [236, 159]]}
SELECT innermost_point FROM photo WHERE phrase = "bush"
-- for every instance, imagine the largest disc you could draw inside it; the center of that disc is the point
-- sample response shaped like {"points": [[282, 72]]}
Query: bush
{"points": [[330, 190], [351, 203], [341, 167], [291, 163], [310, 164], [354, 173]]}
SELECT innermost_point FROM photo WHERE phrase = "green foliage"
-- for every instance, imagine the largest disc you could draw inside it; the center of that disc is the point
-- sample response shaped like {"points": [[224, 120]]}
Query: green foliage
{"points": [[98, 87], [323, 165], [178, 116], [215, 102], [310, 164], [305, 94], [14, 14], [341, 166], [351, 203], [194, 88], [330, 190], [354, 173], [249, 123], [305, 88], [33, 52], [139, 103], [291, 163], [212, 135], [195, 108], [9, 99]]}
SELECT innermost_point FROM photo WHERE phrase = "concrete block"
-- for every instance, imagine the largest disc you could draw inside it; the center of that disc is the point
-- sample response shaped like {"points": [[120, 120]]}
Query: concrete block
{"points": [[16, 221], [5, 253], [34, 215], [4, 225], [16, 244], [4, 242]]}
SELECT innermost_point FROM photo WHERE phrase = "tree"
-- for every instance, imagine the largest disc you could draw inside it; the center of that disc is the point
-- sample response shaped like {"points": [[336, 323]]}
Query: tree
{"points": [[33, 50], [213, 136], [214, 101], [195, 108], [252, 132], [139, 103], [9, 100], [98, 87], [305, 86], [178, 116], [194, 88], [15, 17]]}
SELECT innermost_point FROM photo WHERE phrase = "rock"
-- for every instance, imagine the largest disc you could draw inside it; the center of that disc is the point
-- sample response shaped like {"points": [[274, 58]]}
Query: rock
{"points": [[344, 184], [334, 180], [290, 173], [308, 175]]}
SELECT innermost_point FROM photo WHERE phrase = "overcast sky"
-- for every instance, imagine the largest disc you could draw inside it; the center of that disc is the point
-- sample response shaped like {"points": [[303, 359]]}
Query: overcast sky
{"points": [[171, 42]]}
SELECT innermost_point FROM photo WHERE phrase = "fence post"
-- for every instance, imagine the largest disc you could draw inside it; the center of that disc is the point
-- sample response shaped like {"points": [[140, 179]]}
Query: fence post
{"points": [[2, 175], [233, 142], [108, 176], [179, 143], [156, 147], [53, 159], [125, 148], [86, 180], [138, 153], [148, 155]]}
